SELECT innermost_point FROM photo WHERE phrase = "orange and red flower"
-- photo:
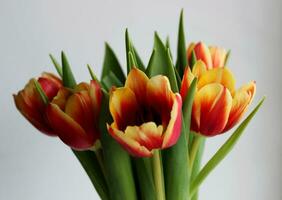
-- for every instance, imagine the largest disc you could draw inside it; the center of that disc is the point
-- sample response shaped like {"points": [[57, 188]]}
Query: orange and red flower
{"points": [[217, 106], [213, 57], [31, 105], [74, 115], [147, 114]]}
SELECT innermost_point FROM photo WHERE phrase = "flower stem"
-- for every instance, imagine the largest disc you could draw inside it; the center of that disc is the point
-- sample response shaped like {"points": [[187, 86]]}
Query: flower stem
{"points": [[194, 149], [158, 175]]}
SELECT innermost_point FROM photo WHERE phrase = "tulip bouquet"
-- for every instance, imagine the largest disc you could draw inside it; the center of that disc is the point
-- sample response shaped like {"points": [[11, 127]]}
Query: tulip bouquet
{"points": [[142, 135]]}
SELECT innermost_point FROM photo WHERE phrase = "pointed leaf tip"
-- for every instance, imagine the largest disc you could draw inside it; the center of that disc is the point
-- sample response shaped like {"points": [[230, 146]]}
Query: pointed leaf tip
{"points": [[68, 77]]}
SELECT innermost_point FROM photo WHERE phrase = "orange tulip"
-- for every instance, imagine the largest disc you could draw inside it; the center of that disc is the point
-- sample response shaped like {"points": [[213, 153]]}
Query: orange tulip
{"points": [[217, 106], [74, 115], [30, 104], [213, 57], [147, 114]]}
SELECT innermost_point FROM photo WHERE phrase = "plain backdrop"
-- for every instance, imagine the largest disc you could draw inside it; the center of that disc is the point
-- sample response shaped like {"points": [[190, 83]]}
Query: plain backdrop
{"points": [[36, 167]]}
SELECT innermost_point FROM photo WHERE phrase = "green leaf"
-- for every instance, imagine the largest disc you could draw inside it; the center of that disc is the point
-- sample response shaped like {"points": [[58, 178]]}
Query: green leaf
{"points": [[160, 63], [175, 164], [187, 105], [138, 59], [111, 80], [91, 166], [167, 45], [145, 178], [181, 48], [111, 63], [227, 57], [132, 61], [41, 92], [93, 76], [117, 160], [57, 65], [68, 78], [193, 60], [130, 48], [178, 79], [197, 165], [223, 151]]}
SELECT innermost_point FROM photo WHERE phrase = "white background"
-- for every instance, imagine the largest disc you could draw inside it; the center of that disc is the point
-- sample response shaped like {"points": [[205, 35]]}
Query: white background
{"points": [[33, 166]]}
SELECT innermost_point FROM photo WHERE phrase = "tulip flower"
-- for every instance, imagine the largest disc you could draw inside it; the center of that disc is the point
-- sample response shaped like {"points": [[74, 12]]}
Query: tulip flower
{"points": [[29, 102], [213, 56], [74, 115], [217, 106], [147, 114]]}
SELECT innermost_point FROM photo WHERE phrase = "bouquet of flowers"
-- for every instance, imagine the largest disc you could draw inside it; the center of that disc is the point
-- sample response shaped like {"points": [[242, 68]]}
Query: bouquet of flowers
{"points": [[141, 135]]}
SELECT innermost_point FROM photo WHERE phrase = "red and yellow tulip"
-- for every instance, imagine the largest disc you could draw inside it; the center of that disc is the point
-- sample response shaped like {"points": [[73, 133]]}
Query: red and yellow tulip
{"points": [[147, 114], [31, 105], [212, 56], [74, 115], [217, 106]]}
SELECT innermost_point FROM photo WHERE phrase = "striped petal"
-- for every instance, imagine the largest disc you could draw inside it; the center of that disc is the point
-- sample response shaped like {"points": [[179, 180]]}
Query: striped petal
{"points": [[173, 129], [202, 53], [79, 108], [160, 98], [95, 93], [241, 101], [190, 49], [199, 68], [137, 82], [135, 138], [211, 109], [218, 75], [218, 56], [186, 82], [36, 118], [69, 131], [123, 107]]}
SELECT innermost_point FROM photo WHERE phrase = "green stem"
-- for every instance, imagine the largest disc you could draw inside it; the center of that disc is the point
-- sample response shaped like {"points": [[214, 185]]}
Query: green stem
{"points": [[158, 175], [194, 149], [99, 155]]}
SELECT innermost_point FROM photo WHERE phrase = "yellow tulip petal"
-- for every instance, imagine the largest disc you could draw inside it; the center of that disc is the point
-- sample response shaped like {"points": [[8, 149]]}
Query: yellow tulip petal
{"points": [[218, 56], [211, 109], [137, 82], [123, 107], [241, 101], [218, 75], [202, 53], [199, 68]]}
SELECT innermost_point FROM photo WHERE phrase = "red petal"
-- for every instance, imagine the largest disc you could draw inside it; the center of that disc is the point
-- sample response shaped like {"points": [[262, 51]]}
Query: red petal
{"points": [[241, 101], [69, 131], [129, 142], [211, 109], [173, 129], [123, 107]]}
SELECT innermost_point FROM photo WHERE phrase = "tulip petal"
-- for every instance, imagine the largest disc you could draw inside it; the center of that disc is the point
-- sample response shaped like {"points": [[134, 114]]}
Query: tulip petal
{"points": [[202, 53], [211, 109], [69, 131], [218, 56], [186, 82], [218, 75], [199, 68], [129, 141], [95, 93], [123, 107], [137, 82], [173, 129], [241, 101], [79, 108], [35, 117], [190, 49], [160, 98]]}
